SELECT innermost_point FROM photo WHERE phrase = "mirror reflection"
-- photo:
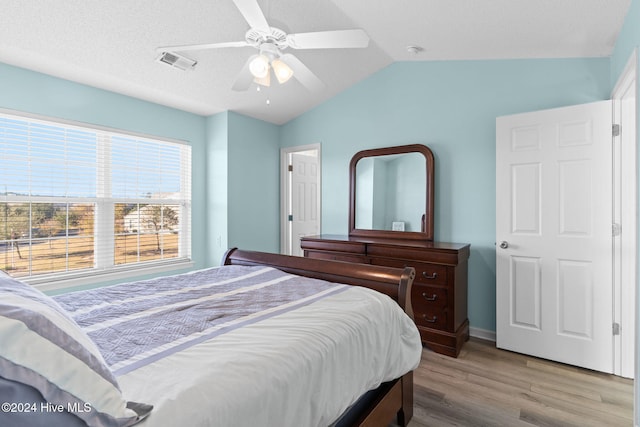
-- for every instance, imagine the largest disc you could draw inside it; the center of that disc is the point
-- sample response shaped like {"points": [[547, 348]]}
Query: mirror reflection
{"points": [[390, 192]]}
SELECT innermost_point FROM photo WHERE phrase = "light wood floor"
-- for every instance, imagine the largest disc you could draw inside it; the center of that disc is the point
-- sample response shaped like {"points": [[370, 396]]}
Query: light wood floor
{"points": [[485, 386]]}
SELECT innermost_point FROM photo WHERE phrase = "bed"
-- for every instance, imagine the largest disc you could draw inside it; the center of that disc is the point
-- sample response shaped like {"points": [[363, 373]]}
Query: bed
{"points": [[300, 342]]}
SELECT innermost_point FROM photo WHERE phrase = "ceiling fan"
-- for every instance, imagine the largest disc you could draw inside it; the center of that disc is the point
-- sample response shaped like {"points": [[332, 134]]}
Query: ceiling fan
{"points": [[271, 41]]}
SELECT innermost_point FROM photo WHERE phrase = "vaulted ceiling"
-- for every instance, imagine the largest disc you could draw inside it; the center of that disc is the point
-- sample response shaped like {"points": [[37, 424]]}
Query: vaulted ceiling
{"points": [[113, 44]]}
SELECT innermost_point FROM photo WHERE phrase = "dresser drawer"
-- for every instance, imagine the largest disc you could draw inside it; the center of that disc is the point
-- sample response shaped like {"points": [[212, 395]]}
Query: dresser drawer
{"points": [[337, 256], [427, 297], [428, 274], [332, 246], [435, 317]]}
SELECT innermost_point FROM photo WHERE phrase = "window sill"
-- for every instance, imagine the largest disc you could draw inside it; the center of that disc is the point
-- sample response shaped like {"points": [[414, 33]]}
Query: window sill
{"points": [[59, 282]]}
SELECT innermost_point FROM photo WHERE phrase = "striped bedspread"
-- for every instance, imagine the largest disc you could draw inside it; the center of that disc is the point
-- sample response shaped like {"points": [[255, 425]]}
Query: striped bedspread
{"points": [[138, 323]]}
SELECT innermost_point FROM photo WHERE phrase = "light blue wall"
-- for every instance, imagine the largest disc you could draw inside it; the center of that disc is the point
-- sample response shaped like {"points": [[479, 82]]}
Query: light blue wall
{"points": [[37, 93], [242, 182], [254, 184], [451, 107], [366, 182], [628, 40], [217, 212], [404, 204]]}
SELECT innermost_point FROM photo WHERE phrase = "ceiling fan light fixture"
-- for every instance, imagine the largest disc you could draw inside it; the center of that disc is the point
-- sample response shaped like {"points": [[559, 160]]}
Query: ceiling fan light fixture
{"points": [[259, 67], [282, 71], [264, 81]]}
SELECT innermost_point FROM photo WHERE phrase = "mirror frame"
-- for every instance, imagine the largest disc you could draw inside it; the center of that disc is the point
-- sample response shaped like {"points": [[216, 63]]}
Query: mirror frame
{"points": [[427, 225]]}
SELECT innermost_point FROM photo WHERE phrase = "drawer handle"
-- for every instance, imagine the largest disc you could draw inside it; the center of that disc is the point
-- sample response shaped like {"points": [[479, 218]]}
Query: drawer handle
{"points": [[429, 276], [434, 319], [426, 296]]}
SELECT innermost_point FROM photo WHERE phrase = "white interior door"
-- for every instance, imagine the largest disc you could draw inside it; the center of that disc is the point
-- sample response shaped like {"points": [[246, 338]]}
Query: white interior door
{"points": [[304, 198], [554, 287]]}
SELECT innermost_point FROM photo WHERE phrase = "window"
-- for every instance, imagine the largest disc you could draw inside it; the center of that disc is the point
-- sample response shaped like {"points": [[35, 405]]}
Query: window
{"points": [[76, 200]]}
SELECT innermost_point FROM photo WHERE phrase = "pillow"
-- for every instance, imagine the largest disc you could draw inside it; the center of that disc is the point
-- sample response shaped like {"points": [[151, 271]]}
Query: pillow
{"points": [[30, 412], [44, 348]]}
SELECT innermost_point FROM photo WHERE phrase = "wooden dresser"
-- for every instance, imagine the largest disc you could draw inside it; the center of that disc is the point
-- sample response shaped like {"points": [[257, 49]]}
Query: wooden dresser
{"points": [[439, 295]]}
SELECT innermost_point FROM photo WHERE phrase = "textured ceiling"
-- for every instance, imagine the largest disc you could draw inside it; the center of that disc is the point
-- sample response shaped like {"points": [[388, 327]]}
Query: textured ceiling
{"points": [[112, 44]]}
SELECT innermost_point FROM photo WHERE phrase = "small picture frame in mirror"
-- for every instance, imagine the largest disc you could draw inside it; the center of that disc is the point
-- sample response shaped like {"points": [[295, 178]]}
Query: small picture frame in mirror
{"points": [[397, 226]]}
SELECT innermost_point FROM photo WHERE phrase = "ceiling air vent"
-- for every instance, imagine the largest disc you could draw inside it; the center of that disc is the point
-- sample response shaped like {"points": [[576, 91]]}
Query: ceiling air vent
{"points": [[177, 61]]}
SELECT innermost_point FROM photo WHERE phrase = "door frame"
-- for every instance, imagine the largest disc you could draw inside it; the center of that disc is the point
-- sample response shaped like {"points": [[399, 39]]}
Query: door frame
{"points": [[625, 261], [285, 192]]}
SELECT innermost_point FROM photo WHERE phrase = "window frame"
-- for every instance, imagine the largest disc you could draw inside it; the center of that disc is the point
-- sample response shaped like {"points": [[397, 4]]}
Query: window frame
{"points": [[104, 267]]}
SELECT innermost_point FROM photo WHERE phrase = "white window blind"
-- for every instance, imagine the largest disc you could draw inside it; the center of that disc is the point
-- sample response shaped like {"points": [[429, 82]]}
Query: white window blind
{"points": [[80, 199]]}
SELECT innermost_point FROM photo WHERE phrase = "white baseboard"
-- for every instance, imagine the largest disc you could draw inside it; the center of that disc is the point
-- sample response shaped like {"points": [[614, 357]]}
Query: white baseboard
{"points": [[482, 334]]}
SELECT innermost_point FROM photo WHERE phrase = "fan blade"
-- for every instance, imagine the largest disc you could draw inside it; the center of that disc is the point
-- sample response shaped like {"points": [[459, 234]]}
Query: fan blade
{"points": [[329, 39], [184, 48], [245, 78], [252, 13], [302, 73]]}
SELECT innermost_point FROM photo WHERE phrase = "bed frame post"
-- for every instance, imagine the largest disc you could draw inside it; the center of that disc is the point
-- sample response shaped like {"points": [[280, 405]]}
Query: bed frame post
{"points": [[406, 411], [404, 290]]}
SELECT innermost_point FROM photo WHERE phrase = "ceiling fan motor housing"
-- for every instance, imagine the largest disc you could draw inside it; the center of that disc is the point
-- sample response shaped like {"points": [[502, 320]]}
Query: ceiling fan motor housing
{"points": [[275, 37]]}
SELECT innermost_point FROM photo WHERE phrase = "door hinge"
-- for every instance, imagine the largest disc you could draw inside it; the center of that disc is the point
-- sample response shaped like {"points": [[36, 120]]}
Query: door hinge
{"points": [[615, 130], [290, 218], [290, 168], [616, 329], [616, 229]]}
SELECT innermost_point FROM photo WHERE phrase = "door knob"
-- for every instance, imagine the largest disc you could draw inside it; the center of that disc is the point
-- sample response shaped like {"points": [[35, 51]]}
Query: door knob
{"points": [[504, 244]]}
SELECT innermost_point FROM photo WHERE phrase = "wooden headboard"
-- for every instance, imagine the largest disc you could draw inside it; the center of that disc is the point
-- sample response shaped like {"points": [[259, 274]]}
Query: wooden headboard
{"points": [[395, 282]]}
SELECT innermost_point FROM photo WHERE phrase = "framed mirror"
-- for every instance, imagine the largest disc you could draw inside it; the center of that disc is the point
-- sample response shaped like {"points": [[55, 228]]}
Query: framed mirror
{"points": [[391, 193]]}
